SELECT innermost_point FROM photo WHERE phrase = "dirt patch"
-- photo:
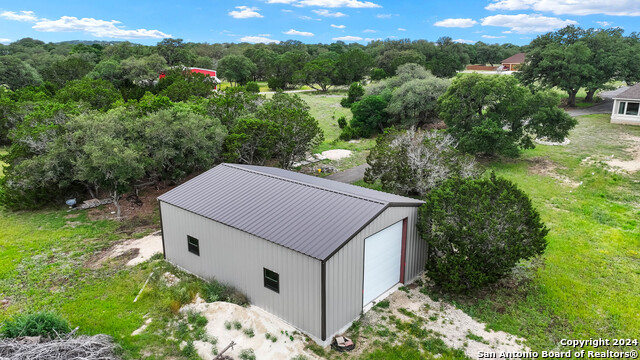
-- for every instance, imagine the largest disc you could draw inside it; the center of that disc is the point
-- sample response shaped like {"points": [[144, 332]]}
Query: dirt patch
{"points": [[72, 224], [336, 154], [454, 327], [632, 165], [170, 279], [71, 216], [131, 252], [545, 167], [260, 321]]}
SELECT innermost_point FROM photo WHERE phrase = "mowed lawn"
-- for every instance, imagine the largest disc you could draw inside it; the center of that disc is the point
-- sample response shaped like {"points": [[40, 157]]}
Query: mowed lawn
{"points": [[589, 284]]}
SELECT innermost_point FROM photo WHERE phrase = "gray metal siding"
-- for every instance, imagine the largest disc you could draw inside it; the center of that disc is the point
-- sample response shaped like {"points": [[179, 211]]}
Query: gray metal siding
{"points": [[345, 270], [238, 258]]}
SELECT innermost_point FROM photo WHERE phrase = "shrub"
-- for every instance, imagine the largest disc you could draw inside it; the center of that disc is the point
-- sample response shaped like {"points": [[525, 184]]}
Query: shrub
{"points": [[356, 91], [414, 162], [477, 230], [189, 350], [252, 86], [342, 122], [237, 325], [38, 324], [227, 325], [275, 84], [247, 354], [348, 133], [216, 291], [249, 332], [378, 74], [369, 115], [384, 304]]}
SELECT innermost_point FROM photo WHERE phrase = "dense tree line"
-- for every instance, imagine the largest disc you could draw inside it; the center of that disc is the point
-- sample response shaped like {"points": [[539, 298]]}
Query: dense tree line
{"points": [[573, 58], [85, 140], [30, 62]]}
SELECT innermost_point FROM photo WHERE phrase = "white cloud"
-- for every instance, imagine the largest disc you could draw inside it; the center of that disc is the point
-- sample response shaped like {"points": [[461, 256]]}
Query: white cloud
{"points": [[571, 7], [338, 26], [305, 17], [245, 12], [265, 35], [96, 27], [286, 10], [347, 38], [338, 3], [258, 39], [28, 16], [5, 41], [327, 13], [459, 23], [384, 16], [297, 33], [463, 41], [604, 23], [328, 3], [492, 37], [526, 23], [402, 29], [368, 31], [372, 39]]}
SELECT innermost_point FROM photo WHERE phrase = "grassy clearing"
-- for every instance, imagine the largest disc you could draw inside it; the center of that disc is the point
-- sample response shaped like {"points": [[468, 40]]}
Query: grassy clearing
{"points": [[326, 109], [263, 86], [587, 286], [45, 264]]}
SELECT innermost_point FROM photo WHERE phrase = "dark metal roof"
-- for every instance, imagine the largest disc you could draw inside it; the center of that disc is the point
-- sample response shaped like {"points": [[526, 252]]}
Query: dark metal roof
{"points": [[310, 215], [632, 93], [514, 59]]}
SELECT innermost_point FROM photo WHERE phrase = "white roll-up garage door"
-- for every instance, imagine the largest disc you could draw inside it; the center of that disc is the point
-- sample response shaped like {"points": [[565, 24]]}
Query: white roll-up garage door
{"points": [[382, 257]]}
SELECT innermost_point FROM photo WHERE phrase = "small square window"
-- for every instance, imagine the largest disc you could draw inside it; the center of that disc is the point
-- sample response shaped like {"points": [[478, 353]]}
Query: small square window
{"points": [[271, 280], [632, 108], [621, 107], [193, 245]]}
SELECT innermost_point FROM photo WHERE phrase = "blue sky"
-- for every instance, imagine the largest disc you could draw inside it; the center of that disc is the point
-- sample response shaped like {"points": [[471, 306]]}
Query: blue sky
{"points": [[310, 21]]}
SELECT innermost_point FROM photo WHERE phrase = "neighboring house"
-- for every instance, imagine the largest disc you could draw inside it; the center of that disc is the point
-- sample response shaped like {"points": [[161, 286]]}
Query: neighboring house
{"points": [[312, 251], [626, 107], [210, 73], [513, 63]]}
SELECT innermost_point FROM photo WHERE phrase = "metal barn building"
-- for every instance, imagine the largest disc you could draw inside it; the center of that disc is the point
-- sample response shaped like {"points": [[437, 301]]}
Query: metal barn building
{"points": [[312, 251]]}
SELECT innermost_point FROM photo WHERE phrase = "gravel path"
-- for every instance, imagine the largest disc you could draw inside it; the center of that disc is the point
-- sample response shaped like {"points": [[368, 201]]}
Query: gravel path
{"points": [[350, 175]]}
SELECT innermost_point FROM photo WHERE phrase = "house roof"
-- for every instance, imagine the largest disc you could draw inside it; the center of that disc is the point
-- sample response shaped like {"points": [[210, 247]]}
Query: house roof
{"points": [[310, 215], [632, 93], [515, 59]]}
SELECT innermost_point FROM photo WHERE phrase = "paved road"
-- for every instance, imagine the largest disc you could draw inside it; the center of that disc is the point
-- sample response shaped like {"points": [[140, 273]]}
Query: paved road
{"points": [[350, 175], [289, 91]]}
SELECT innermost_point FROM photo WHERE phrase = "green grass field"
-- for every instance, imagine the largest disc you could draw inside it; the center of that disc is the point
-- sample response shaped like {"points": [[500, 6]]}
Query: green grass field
{"points": [[46, 264], [588, 284]]}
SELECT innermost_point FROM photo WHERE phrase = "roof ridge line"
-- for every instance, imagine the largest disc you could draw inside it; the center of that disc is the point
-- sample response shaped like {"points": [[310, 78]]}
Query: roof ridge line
{"points": [[306, 184]]}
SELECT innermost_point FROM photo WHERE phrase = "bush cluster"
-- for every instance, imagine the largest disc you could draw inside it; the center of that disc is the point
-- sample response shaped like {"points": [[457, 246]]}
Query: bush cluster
{"points": [[44, 324], [477, 230]]}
